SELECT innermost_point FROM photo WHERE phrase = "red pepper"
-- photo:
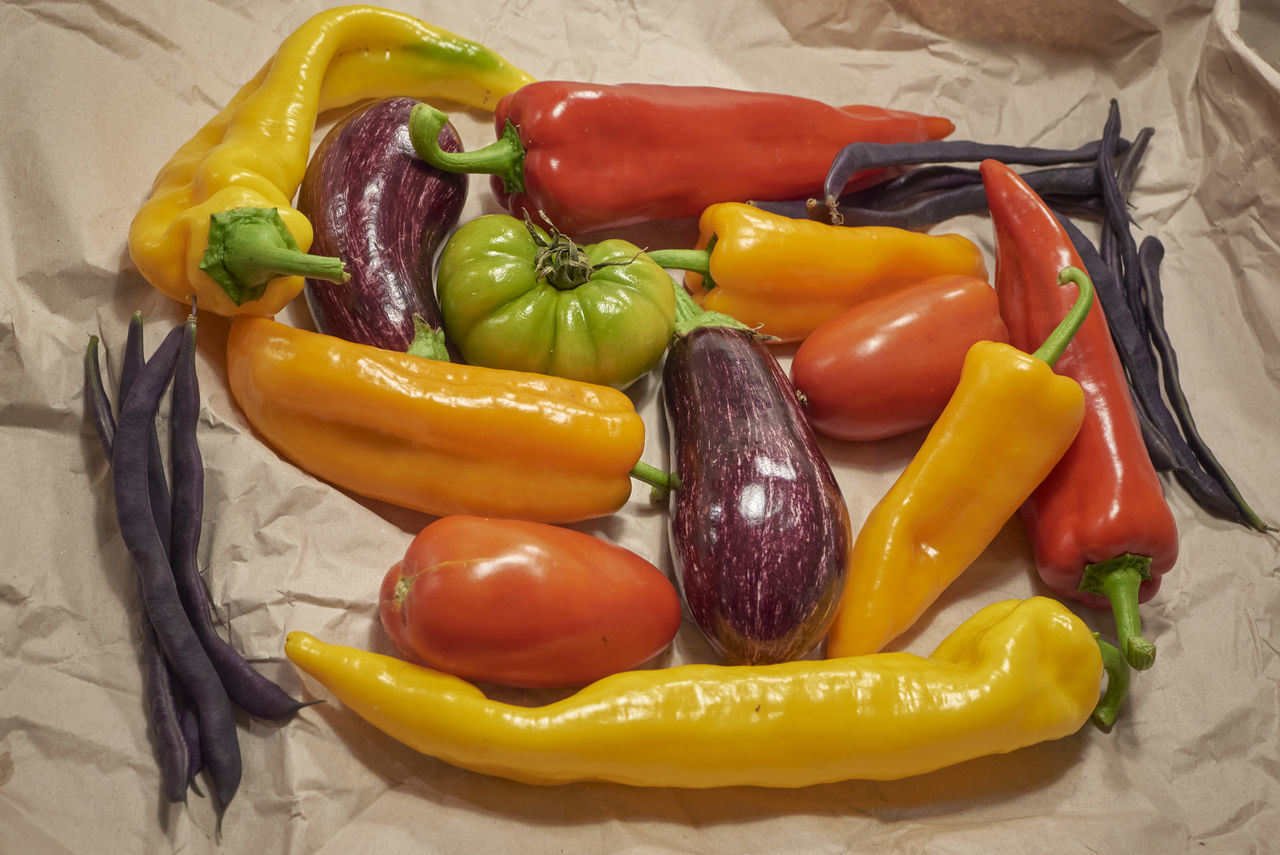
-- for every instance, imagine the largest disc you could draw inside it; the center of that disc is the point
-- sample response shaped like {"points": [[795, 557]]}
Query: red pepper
{"points": [[594, 157], [1101, 529]]}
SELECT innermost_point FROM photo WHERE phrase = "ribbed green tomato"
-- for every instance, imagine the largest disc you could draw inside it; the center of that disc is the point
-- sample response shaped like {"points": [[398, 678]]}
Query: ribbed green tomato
{"points": [[514, 297]]}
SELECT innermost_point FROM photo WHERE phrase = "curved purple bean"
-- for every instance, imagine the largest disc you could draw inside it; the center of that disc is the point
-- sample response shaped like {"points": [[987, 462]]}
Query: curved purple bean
{"points": [[1150, 254], [174, 745], [250, 690], [218, 739], [156, 483], [857, 157]]}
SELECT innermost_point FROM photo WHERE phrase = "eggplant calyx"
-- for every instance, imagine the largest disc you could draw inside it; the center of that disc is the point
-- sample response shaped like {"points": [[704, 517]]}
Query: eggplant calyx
{"points": [[248, 247], [428, 341]]}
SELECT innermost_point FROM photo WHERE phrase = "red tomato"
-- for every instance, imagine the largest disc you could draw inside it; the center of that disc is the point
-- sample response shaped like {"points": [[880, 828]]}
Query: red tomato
{"points": [[525, 604], [889, 365]]}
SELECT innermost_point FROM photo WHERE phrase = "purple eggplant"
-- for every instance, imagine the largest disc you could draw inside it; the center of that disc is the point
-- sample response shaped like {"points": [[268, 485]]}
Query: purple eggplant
{"points": [[760, 533], [385, 212]]}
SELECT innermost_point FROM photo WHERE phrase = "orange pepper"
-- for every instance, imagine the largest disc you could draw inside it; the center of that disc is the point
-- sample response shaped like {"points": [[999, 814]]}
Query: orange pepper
{"points": [[435, 436], [784, 277]]}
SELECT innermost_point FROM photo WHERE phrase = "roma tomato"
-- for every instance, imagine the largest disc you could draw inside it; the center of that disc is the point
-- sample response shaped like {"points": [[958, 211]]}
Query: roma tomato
{"points": [[525, 604], [889, 366]]}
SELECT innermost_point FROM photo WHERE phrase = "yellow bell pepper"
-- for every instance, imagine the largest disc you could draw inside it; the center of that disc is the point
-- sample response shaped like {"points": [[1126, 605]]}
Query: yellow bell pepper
{"points": [[252, 155], [1016, 673], [1007, 424], [435, 436], [784, 277]]}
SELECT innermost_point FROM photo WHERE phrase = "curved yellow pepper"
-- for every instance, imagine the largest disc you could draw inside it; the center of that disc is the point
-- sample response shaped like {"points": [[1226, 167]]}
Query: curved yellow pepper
{"points": [[1016, 673], [253, 154], [1008, 423], [784, 277], [435, 436]]}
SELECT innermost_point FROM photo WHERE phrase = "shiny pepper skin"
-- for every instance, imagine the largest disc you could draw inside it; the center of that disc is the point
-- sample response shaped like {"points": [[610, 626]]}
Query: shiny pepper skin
{"points": [[435, 436], [252, 155], [1016, 673]]}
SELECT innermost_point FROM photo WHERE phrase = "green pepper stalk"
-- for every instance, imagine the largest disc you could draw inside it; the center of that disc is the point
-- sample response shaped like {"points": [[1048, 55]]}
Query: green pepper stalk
{"points": [[248, 247]]}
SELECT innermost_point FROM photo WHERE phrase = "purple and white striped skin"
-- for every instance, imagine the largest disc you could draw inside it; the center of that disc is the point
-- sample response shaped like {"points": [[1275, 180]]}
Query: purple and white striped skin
{"points": [[385, 212], [760, 533]]}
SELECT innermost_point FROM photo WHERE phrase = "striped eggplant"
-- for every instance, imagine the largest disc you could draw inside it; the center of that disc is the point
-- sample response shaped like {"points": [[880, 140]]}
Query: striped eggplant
{"points": [[760, 534], [385, 212]]}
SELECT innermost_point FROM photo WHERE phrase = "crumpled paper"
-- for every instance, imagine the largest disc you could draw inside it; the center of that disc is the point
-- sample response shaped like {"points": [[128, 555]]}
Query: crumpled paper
{"points": [[100, 94]]}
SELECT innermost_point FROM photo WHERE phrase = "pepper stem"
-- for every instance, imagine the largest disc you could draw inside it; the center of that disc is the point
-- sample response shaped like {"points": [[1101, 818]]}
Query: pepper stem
{"points": [[661, 481], [1066, 329], [694, 260], [1118, 579], [1108, 708], [504, 157], [248, 247]]}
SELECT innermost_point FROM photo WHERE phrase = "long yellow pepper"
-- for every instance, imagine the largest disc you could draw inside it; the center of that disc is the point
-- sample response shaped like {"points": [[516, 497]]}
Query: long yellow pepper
{"points": [[435, 436], [784, 277], [252, 154], [1016, 673], [1007, 425]]}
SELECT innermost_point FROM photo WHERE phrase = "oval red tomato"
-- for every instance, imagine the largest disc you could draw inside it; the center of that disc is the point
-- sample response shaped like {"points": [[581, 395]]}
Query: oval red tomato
{"points": [[525, 604], [890, 365]]}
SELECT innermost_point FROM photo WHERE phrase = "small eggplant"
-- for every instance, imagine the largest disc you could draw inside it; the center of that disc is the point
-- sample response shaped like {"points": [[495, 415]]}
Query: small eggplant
{"points": [[385, 212], [760, 534]]}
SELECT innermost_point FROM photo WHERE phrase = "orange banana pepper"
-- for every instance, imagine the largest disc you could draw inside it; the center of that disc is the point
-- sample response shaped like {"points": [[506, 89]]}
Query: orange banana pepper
{"points": [[435, 436], [785, 277]]}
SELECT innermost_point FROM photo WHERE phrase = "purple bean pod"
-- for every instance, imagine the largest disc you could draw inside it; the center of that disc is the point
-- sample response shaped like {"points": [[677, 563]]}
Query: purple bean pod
{"points": [[219, 744], [250, 690]]}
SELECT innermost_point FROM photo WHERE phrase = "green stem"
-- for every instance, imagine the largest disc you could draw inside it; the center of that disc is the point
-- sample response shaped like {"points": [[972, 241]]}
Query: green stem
{"points": [[661, 481], [248, 247], [1108, 708], [690, 316], [504, 157], [694, 260], [1119, 579], [428, 341], [1066, 329]]}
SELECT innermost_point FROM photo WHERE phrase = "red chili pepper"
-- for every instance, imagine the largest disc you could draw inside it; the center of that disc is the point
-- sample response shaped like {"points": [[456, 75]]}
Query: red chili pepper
{"points": [[594, 157], [1100, 527]]}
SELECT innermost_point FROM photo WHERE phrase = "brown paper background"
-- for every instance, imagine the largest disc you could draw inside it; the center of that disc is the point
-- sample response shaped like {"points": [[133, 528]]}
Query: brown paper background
{"points": [[97, 96]]}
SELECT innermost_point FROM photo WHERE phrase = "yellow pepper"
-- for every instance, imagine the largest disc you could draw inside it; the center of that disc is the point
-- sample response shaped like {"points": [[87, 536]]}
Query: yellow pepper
{"points": [[1007, 424], [1016, 673], [784, 277], [245, 165], [435, 436]]}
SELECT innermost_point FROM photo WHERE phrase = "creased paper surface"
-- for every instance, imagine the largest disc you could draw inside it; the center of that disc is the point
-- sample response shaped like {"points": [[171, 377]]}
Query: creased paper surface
{"points": [[97, 97]]}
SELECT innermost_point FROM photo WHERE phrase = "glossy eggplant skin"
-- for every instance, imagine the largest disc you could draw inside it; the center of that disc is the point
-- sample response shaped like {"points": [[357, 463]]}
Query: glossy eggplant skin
{"points": [[760, 534], [385, 212]]}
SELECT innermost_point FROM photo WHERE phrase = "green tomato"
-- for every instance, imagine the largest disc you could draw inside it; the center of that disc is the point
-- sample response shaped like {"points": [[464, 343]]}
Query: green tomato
{"points": [[514, 297]]}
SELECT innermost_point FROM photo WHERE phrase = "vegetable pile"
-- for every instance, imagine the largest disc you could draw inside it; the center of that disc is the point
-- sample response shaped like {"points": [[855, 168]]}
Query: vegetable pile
{"points": [[475, 372]]}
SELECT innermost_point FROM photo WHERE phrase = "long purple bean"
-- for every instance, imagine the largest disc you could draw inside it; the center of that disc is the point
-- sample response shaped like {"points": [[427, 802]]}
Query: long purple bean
{"points": [[1150, 255], [1175, 455], [1117, 220], [250, 690], [165, 707], [157, 485], [857, 157], [218, 739]]}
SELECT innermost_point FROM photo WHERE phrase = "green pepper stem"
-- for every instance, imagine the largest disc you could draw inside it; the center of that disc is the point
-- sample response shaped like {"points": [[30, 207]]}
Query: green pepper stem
{"points": [[1119, 579], [504, 157], [1108, 708], [694, 260], [248, 247], [1067, 328], [661, 481]]}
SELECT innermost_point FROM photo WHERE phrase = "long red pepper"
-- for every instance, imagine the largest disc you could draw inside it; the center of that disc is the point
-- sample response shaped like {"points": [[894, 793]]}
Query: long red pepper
{"points": [[592, 156], [1100, 527]]}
